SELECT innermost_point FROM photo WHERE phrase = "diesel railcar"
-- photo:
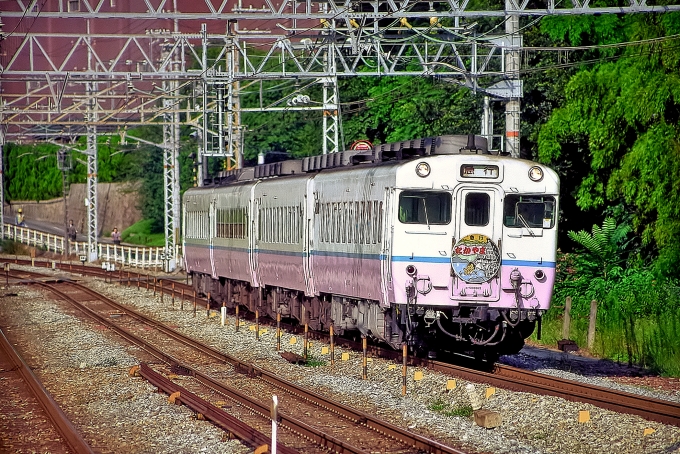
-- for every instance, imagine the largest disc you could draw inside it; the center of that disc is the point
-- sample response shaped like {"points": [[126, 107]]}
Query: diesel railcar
{"points": [[434, 242]]}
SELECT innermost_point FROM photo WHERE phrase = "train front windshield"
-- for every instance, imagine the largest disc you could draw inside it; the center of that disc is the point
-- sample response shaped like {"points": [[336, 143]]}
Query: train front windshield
{"points": [[529, 211], [420, 207]]}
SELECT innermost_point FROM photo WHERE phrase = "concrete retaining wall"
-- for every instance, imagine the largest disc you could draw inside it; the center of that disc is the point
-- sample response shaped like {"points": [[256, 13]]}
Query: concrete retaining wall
{"points": [[116, 203]]}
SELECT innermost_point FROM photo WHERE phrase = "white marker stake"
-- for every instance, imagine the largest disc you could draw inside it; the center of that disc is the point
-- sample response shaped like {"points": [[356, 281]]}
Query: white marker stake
{"points": [[274, 411]]}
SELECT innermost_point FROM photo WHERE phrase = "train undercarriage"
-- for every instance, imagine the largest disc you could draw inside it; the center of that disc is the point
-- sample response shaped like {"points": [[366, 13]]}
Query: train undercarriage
{"points": [[471, 330]]}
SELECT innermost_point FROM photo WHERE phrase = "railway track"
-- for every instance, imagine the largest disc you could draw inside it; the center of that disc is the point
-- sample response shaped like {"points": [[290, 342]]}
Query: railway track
{"points": [[328, 426], [23, 394], [501, 376]]}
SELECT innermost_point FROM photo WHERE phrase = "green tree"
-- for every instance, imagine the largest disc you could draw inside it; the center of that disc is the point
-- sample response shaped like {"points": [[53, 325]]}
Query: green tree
{"points": [[402, 108], [604, 249], [620, 117]]}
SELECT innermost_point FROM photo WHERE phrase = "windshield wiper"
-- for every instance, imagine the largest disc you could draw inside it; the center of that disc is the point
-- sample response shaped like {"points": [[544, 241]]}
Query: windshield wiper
{"points": [[427, 221], [526, 224]]}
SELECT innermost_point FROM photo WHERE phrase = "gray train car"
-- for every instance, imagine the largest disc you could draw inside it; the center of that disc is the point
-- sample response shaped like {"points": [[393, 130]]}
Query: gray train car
{"points": [[433, 242]]}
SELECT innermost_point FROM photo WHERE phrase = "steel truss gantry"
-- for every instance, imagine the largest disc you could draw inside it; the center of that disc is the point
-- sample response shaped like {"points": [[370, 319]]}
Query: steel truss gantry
{"points": [[104, 66]]}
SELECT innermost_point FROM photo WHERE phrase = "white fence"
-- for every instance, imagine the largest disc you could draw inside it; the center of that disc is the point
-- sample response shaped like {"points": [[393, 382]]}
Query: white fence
{"points": [[135, 256]]}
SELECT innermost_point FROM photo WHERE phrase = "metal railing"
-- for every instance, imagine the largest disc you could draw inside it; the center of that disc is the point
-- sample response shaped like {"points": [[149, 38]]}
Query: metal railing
{"points": [[134, 256]]}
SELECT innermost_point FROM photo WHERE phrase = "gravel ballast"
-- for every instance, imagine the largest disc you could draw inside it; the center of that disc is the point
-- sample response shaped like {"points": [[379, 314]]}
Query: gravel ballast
{"points": [[87, 371]]}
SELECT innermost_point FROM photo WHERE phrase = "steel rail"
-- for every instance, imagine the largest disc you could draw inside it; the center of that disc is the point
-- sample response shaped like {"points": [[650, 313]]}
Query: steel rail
{"points": [[129, 337], [526, 381], [417, 441], [521, 380], [324, 440], [508, 377], [391, 430], [59, 419], [612, 399], [220, 418]]}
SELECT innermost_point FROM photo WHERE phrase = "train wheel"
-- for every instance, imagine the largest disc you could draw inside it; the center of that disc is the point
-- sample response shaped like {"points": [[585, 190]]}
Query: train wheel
{"points": [[486, 355]]}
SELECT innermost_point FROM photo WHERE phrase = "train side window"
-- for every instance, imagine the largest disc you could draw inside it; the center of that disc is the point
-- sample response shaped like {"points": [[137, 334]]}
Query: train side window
{"points": [[379, 224], [331, 225], [291, 224], [327, 214], [231, 223], [529, 211], [296, 223], [284, 225], [358, 223], [267, 225], [270, 225], [343, 223], [361, 222], [294, 214], [353, 236], [277, 232], [369, 223], [421, 207], [324, 223], [335, 225], [281, 219], [477, 205], [232, 219], [350, 222], [244, 224]]}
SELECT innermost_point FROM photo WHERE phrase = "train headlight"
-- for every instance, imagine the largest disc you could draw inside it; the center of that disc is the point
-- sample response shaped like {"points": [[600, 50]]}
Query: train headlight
{"points": [[536, 173], [422, 169], [411, 270]]}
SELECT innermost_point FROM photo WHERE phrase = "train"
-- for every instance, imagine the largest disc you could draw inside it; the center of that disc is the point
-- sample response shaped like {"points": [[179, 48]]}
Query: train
{"points": [[436, 243]]}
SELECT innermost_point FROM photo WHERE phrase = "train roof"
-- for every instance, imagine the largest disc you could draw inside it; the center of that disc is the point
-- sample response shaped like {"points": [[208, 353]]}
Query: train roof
{"points": [[379, 154]]}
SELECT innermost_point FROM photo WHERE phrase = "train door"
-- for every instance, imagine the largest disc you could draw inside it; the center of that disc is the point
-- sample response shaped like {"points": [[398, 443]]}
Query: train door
{"points": [[212, 233], [309, 208], [254, 235], [386, 250], [475, 254]]}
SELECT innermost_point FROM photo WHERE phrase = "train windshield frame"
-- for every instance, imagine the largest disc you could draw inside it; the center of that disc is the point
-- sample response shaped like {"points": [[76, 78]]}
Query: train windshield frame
{"points": [[425, 207], [529, 211]]}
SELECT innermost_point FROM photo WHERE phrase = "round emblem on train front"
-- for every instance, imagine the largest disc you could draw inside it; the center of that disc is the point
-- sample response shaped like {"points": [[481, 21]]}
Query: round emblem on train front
{"points": [[475, 259]]}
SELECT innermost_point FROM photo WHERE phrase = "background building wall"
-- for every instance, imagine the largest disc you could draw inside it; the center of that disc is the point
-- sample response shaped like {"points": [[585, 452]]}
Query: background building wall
{"points": [[117, 204]]}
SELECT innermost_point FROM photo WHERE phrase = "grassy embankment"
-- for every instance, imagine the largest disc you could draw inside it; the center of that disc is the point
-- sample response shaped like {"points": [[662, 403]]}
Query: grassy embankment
{"points": [[637, 318]]}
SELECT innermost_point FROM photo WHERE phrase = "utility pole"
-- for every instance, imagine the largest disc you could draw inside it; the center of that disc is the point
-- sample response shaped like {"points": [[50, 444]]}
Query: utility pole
{"points": [[171, 216], [512, 62], [2, 180], [92, 179], [64, 164]]}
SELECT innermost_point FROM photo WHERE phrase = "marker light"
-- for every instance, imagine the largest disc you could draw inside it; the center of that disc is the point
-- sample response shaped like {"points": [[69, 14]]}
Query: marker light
{"points": [[536, 173], [422, 169]]}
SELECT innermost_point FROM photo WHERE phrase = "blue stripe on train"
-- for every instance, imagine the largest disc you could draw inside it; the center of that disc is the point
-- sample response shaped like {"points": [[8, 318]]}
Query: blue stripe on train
{"points": [[396, 258]]}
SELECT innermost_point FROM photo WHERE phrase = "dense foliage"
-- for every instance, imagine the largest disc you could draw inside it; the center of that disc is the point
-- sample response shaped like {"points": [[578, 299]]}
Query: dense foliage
{"points": [[620, 118]]}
